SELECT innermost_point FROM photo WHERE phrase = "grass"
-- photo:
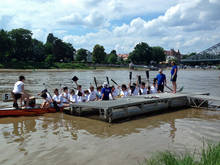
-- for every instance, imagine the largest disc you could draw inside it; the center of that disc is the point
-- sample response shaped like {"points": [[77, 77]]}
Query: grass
{"points": [[209, 156]]}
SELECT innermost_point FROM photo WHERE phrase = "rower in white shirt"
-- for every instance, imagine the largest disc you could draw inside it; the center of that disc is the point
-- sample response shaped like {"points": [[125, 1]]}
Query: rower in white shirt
{"points": [[93, 94], [58, 98], [143, 89], [134, 89], [73, 97], [66, 96], [124, 91], [115, 93]]}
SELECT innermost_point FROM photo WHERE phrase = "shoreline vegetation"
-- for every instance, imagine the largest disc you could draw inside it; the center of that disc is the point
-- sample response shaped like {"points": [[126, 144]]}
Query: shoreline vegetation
{"points": [[209, 156], [19, 50]]}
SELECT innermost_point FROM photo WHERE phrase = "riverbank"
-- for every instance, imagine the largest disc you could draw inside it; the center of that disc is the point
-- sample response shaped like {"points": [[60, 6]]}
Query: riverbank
{"points": [[209, 156]]}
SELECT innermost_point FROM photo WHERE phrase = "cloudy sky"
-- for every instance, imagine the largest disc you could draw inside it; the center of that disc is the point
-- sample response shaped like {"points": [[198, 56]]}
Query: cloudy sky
{"points": [[187, 25]]}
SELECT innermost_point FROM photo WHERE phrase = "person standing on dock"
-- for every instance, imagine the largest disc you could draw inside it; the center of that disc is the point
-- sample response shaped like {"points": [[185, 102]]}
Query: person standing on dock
{"points": [[174, 75], [161, 81], [19, 93]]}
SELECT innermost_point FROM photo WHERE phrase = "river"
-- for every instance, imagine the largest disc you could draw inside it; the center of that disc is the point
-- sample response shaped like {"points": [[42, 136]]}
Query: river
{"points": [[62, 139]]}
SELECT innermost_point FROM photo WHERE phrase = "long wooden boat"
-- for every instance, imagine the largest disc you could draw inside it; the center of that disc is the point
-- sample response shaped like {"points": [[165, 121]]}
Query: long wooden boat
{"points": [[26, 112]]}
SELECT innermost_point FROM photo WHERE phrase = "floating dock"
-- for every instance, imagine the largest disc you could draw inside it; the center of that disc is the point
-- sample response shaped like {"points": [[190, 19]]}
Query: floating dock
{"points": [[136, 105]]}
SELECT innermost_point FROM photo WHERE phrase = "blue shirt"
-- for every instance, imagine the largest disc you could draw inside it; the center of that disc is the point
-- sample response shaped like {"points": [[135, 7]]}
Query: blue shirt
{"points": [[106, 92], [173, 70], [161, 79]]}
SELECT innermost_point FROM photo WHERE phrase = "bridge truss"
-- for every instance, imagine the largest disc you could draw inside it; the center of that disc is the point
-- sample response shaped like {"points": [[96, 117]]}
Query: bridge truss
{"points": [[208, 55]]}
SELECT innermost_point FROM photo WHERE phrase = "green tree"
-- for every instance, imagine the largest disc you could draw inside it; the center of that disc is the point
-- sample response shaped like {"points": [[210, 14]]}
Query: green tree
{"points": [[158, 54], [22, 43], [5, 46], [49, 60], [142, 54], [98, 54], [81, 55], [112, 58], [38, 51]]}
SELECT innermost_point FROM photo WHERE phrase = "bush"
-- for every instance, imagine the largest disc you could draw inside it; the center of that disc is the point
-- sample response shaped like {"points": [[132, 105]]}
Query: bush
{"points": [[209, 156]]}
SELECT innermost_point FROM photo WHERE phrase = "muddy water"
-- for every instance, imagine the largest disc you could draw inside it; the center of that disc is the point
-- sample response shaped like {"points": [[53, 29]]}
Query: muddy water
{"points": [[63, 139]]}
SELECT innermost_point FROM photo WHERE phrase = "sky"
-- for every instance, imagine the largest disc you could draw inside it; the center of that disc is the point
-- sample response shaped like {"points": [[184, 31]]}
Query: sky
{"points": [[187, 25]]}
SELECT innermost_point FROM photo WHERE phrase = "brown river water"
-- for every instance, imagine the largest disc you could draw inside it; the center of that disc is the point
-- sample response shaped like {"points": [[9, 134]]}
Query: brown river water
{"points": [[63, 139]]}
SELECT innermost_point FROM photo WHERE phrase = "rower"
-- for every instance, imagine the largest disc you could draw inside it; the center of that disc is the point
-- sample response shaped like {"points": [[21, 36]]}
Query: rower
{"points": [[143, 89], [19, 93], [66, 96], [153, 88], [134, 89], [47, 102], [73, 97], [115, 93], [124, 91], [93, 94], [58, 98]]}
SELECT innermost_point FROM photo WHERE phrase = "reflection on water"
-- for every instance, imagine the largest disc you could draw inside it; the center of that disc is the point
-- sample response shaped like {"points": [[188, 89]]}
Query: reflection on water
{"points": [[62, 139]]}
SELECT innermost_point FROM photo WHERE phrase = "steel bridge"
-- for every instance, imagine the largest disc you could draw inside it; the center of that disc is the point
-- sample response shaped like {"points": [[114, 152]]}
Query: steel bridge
{"points": [[211, 54]]}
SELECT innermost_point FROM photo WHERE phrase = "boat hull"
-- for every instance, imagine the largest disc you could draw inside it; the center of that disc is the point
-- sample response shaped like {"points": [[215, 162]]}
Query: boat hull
{"points": [[26, 112]]}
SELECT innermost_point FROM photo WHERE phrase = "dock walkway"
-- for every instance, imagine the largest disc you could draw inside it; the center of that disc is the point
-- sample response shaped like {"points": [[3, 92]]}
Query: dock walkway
{"points": [[136, 105]]}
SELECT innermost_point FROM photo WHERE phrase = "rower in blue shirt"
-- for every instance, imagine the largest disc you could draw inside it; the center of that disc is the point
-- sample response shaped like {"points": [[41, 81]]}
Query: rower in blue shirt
{"points": [[106, 91], [161, 81]]}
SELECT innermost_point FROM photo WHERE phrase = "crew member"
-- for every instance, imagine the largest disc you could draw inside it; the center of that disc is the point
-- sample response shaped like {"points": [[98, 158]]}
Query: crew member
{"points": [[174, 75], [19, 93], [161, 81]]}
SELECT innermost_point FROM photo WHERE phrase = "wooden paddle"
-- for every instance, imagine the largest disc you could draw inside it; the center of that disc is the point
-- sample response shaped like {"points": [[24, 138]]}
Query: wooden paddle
{"points": [[114, 82], [107, 80], [147, 75], [139, 84], [179, 90], [95, 82], [130, 77]]}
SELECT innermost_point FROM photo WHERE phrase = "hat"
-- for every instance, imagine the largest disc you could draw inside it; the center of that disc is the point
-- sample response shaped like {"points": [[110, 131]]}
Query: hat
{"points": [[105, 84], [75, 78]]}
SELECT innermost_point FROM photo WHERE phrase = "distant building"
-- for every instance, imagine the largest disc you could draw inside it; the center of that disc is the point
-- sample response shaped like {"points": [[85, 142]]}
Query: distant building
{"points": [[124, 56], [89, 57], [172, 55]]}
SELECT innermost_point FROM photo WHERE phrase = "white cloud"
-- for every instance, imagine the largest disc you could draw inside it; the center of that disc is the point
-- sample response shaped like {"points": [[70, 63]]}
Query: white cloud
{"points": [[185, 24]]}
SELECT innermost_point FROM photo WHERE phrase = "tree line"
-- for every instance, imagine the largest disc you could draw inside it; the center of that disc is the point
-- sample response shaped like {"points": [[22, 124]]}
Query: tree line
{"points": [[18, 48]]}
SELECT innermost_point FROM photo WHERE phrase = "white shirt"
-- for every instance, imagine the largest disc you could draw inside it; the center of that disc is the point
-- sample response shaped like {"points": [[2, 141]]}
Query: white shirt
{"points": [[153, 89], [115, 93], [82, 98], [66, 97], [136, 91], [74, 98], [58, 98], [48, 97], [143, 91], [124, 93], [18, 87], [92, 96]]}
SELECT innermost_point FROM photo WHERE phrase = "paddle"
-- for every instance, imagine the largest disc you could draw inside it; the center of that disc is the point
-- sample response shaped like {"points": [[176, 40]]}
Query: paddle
{"points": [[179, 90], [95, 82], [54, 102], [114, 82], [139, 83], [130, 76], [107, 80], [147, 75]]}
